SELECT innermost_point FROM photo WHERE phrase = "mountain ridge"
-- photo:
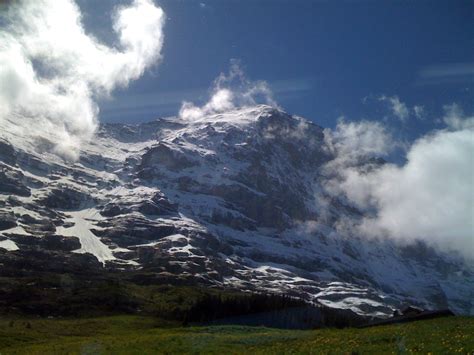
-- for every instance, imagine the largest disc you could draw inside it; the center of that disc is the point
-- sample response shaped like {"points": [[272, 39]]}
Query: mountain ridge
{"points": [[233, 199]]}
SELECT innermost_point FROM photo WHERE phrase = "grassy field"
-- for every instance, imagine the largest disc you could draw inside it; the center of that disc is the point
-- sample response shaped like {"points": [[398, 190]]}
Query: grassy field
{"points": [[147, 335]]}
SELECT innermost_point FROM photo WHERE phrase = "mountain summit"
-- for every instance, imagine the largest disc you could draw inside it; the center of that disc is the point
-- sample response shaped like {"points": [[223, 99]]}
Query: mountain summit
{"points": [[233, 200]]}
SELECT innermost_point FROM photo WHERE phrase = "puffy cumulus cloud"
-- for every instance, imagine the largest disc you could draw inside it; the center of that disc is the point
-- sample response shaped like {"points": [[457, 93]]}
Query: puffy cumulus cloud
{"points": [[230, 91], [52, 70], [351, 140], [430, 197]]}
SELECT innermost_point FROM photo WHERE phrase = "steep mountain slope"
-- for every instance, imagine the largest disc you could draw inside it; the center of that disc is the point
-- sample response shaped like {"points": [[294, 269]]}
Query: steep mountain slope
{"points": [[233, 200]]}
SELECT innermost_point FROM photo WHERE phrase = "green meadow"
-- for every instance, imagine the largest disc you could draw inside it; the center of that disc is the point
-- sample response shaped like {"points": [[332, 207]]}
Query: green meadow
{"points": [[149, 335]]}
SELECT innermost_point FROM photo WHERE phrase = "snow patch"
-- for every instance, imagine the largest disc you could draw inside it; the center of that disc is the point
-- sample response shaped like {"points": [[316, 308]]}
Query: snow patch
{"points": [[90, 243], [9, 245]]}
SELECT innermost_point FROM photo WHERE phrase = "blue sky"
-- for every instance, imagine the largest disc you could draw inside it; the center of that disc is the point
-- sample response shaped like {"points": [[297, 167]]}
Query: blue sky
{"points": [[322, 59]]}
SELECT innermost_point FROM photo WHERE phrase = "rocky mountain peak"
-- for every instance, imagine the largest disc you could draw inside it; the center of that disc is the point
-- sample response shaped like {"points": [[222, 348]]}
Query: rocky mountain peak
{"points": [[230, 200]]}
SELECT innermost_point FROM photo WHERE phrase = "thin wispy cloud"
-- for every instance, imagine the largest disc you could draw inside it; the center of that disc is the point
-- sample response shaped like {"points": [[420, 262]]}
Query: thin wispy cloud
{"points": [[419, 111], [446, 73], [148, 105], [398, 108], [230, 91], [289, 87]]}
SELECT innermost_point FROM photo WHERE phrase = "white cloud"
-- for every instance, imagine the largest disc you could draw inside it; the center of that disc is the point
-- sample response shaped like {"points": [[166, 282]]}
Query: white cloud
{"points": [[52, 70], [399, 109], [446, 73], [350, 141], [419, 111], [454, 118], [230, 91], [430, 197]]}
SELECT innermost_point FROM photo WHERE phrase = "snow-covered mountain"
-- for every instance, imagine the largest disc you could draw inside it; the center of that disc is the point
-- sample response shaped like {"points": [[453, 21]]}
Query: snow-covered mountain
{"points": [[233, 200]]}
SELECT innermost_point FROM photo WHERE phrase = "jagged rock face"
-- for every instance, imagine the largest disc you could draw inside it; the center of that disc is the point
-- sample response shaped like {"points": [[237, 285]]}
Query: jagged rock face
{"points": [[66, 198], [7, 221], [12, 182], [234, 199]]}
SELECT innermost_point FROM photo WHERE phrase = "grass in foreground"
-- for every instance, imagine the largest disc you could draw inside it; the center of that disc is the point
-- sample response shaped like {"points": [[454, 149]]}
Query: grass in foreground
{"points": [[147, 335]]}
